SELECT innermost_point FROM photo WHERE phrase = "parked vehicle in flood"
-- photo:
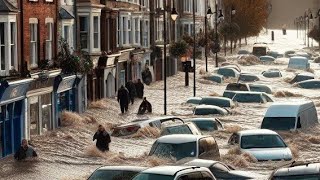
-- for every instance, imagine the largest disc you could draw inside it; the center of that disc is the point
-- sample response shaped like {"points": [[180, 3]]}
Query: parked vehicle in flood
{"points": [[309, 84], [297, 171], [186, 128], [248, 77], [299, 62], [263, 144], [209, 110], [302, 77], [116, 172], [260, 88], [287, 116], [206, 124], [251, 97]]}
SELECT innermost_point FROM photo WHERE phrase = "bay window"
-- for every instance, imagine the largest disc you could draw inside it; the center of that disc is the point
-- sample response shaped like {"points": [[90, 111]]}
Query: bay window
{"points": [[84, 32]]}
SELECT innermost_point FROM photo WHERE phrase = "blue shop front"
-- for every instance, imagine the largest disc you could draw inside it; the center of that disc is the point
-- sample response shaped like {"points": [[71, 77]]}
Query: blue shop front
{"points": [[65, 95], [12, 114]]}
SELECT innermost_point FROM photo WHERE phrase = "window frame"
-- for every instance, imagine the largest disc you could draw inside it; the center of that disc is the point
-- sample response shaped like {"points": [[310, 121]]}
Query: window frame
{"points": [[34, 42], [49, 38]]}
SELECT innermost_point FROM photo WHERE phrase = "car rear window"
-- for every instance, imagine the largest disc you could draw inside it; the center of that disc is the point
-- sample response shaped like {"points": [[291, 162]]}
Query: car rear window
{"points": [[248, 98], [278, 123], [112, 175], [237, 87], [206, 125]]}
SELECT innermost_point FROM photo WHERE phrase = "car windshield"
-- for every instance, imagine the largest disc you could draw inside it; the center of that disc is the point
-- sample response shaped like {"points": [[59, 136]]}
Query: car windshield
{"points": [[177, 151], [206, 125], [182, 129], [112, 175], [248, 98], [146, 176], [278, 123], [259, 51], [261, 141], [299, 177]]}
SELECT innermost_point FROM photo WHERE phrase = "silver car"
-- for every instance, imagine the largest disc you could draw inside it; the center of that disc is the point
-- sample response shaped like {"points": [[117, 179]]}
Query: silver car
{"points": [[263, 144]]}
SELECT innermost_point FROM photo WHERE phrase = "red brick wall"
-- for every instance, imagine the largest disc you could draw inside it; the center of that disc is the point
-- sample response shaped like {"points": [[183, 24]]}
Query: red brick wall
{"points": [[40, 10]]}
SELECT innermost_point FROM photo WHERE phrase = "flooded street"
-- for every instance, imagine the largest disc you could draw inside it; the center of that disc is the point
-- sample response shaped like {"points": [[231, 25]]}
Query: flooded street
{"points": [[70, 153]]}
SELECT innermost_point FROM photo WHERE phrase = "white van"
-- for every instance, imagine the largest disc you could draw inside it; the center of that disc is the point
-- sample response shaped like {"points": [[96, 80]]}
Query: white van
{"points": [[299, 62], [288, 116]]}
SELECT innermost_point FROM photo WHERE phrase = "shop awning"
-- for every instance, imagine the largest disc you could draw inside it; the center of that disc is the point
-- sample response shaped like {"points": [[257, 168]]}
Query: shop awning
{"points": [[65, 83], [13, 91]]}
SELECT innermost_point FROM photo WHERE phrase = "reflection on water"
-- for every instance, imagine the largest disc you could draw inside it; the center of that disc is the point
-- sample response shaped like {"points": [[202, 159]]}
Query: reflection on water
{"points": [[69, 152]]}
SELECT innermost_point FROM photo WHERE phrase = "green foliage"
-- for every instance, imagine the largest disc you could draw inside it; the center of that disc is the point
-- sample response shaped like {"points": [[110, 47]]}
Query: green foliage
{"points": [[179, 48], [43, 64], [73, 63], [188, 39]]}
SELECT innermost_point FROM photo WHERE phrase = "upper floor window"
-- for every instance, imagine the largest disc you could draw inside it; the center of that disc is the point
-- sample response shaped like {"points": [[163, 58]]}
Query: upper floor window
{"points": [[49, 40], [96, 33], [2, 47], [84, 32], [34, 43]]}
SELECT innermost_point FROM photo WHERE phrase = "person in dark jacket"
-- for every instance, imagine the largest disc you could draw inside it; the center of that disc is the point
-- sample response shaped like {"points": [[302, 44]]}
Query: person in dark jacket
{"points": [[139, 89], [25, 151], [147, 76], [145, 106], [132, 91], [103, 139], [123, 99]]}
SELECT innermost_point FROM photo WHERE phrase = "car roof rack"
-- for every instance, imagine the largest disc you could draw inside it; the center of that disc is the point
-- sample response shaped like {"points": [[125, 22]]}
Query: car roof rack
{"points": [[192, 167]]}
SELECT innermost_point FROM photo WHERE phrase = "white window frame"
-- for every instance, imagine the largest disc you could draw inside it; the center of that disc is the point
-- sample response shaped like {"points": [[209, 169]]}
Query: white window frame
{"points": [[87, 31], [49, 38], [70, 24], [96, 32], [13, 46], [136, 30], [33, 22]]}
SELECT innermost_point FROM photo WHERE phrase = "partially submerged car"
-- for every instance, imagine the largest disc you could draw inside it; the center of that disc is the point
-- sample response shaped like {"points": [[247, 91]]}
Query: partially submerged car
{"points": [[304, 54], [289, 53], [215, 78], [223, 171], [209, 110], [267, 58], [274, 54], [299, 62], [206, 124], [248, 77], [272, 73], [238, 87], [309, 84], [302, 77], [260, 49], [243, 52], [116, 172], [298, 171], [251, 97], [134, 126], [287, 116], [228, 72], [179, 146], [260, 88], [175, 173], [263, 144], [186, 128], [211, 100], [231, 65]]}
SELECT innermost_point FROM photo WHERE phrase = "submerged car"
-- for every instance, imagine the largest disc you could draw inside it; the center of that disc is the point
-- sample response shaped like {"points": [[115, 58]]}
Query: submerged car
{"points": [[248, 77], [263, 144], [260, 49], [260, 88], [175, 173], [116, 172], [267, 58], [297, 171], [251, 97], [134, 126], [211, 100], [309, 84], [237, 87], [215, 78], [228, 72], [186, 128], [223, 171], [299, 62], [179, 146], [243, 52], [206, 124], [209, 110], [272, 73], [302, 77]]}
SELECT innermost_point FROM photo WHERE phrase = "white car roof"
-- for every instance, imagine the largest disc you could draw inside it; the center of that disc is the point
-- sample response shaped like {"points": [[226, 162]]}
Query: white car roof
{"points": [[299, 57], [217, 98], [203, 106], [287, 109], [257, 132], [201, 163], [171, 170], [194, 98], [123, 168], [147, 121], [179, 138], [313, 168], [201, 119]]}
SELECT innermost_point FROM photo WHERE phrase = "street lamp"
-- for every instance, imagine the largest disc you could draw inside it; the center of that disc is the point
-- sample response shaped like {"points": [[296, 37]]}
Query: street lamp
{"points": [[208, 15], [216, 44], [194, 46], [232, 13], [174, 16]]}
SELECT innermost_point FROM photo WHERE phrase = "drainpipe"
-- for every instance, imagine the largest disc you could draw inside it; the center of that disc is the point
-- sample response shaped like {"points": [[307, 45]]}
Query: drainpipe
{"points": [[22, 63], [76, 23]]}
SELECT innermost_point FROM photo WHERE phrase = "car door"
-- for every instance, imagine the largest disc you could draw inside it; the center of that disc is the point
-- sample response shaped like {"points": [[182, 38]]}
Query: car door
{"points": [[208, 148]]}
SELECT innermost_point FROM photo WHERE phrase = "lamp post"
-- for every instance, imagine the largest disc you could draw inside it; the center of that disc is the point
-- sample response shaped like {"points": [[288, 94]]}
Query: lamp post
{"points": [[216, 44], [194, 47], [232, 13], [309, 17], [305, 28], [174, 16], [301, 26], [208, 13]]}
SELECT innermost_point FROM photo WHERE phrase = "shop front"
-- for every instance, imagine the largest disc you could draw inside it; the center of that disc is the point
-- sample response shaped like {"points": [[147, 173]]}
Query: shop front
{"points": [[136, 65], [12, 115], [123, 68], [110, 76], [40, 103], [65, 96], [81, 93]]}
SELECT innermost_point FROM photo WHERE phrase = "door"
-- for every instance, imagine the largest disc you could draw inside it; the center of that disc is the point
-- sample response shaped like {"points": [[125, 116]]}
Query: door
{"points": [[110, 86], [17, 124], [8, 131]]}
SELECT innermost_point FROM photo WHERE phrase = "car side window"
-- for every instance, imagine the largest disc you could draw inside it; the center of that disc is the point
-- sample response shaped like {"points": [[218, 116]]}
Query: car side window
{"points": [[234, 139]]}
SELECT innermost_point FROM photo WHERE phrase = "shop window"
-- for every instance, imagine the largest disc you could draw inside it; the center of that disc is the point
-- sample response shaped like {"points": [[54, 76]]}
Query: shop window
{"points": [[46, 107], [34, 115]]}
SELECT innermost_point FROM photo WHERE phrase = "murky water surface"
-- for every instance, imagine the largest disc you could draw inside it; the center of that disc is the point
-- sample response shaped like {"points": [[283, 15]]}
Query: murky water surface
{"points": [[69, 152]]}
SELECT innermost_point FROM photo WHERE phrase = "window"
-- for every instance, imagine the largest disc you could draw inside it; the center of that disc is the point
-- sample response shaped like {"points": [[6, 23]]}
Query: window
{"points": [[34, 44], [49, 39], [2, 47], [84, 32], [95, 32], [118, 32], [13, 49], [129, 31], [137, 30], [125, 30], [145, 42], [66, 31]]}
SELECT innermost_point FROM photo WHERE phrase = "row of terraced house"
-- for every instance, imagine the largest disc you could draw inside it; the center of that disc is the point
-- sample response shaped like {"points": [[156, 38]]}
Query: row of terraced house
{"points": [[32, 98]]}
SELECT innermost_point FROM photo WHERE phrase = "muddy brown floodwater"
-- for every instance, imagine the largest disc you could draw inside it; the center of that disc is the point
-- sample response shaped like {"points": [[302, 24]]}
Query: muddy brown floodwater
{"points": [[69, 152]]}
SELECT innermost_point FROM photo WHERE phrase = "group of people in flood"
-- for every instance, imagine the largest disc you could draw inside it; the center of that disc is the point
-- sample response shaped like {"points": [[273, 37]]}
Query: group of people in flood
{"points": [[127, 95]]}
